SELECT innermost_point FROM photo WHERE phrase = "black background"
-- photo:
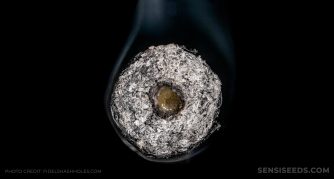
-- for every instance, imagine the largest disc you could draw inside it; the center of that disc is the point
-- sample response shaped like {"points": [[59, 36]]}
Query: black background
{"points": [[58, 58]]}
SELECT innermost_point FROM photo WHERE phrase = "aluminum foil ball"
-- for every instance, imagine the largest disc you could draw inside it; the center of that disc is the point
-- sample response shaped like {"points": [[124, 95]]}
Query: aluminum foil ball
{"points": [[166, 101]]}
